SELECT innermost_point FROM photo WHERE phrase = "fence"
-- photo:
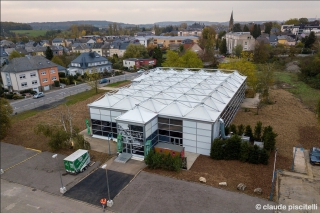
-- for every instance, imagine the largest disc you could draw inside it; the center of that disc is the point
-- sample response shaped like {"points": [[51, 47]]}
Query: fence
{"points": [[47, 101]]}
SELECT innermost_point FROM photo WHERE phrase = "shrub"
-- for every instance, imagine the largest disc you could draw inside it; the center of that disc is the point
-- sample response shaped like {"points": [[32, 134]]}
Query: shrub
{"points": [[254, 154], [269, 139], [258, 131], [15, 97], [71, 79], [217, 149], [156, 160], [62, 75], [80, 142], [65, 81], [232, 148], [240, 129], [264, 157], [233, 128], [244, 151], [226, 130], [56, 83], [26, 91], [248, 132]]}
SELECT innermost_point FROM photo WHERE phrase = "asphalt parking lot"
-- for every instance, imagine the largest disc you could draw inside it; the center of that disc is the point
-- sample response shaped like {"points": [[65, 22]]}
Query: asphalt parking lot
{"points": [[41, 172], [154, 193], [12, 154], [94, 187]]}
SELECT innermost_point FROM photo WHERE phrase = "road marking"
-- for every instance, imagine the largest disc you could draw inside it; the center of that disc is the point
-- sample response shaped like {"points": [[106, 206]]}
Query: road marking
{"points": [[21, 162], [36, 207]]}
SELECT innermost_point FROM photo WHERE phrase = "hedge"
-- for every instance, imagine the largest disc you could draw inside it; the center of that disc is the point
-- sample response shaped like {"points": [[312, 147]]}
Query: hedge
{"points": [[156, 160]]}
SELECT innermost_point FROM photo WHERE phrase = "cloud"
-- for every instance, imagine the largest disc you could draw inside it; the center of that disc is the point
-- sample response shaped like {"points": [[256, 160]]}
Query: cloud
{"points": [[141, 12]]}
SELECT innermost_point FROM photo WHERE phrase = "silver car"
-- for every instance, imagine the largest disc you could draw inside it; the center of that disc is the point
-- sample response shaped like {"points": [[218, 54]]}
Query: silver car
{"points": [[38, 95]]}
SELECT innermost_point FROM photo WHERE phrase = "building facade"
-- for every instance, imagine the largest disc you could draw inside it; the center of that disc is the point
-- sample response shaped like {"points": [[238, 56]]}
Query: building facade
{"points": [[180, 107], [139, 62], [240, 38]]}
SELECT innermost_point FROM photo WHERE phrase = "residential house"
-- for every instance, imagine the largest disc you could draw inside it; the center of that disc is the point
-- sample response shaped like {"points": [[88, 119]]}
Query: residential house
{"points": [[118, 48], [274, 31], [193, 30], [3, 56], [89, 61], [31, 44], [20, 45], [174, 47], [7, 44], [57, 50], [62, 69], [90, 43], [39, 51], [239, 38], [164, 41], [273, 40], [195, 48], [44, 43], [106, 49], [30, 72], [302, 28], [143, 40], [80, 48], [132, 63], [97, 47], [58, 42], [286, 40], [68, 42], [262, 39]]}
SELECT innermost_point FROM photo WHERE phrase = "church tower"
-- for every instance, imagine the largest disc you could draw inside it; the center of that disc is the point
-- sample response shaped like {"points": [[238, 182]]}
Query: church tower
{"points": [[231, 22]]}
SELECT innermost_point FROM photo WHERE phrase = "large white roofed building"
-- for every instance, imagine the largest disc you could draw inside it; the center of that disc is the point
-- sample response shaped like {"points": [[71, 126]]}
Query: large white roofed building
{"points": [[177, 106]]}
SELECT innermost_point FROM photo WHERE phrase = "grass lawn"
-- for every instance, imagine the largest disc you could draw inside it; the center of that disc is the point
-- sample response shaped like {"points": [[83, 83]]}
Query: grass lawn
{"points": [[118, 83], [23, 115], [32, 33], [301, 90], [82, 96]]}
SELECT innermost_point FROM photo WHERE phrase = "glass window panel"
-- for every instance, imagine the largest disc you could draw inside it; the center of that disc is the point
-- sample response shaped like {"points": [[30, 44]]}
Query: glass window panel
{"points": [[96, 127], [93, 121], [114, 130], [163, 126], [106, 128], [176, 128], [105, 123], [163, 132], [97, 132], [114, 135], [163, 138], [163, 120], [136, 128], [176, 134], [106, 134], [114, 124], [176, 122]]}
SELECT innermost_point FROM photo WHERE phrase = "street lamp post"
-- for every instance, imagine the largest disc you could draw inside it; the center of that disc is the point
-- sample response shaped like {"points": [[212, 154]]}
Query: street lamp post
{"points": [[62, 189], [274, 173], [109, 202]]}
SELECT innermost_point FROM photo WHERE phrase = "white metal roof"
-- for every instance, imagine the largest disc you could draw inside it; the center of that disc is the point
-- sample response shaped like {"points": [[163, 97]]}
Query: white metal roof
{"points": [[76, 155], [182, 93]]}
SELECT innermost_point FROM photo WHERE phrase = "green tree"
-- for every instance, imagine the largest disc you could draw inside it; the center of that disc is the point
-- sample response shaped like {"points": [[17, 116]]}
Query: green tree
{"points": [[261, 53], [237, 27], [258, 131], [254, 154], [248, 132], [15, 54], [188, 60], [244, 152], [221, 34], [265, 80], [292, 21], [303, 20], [49, 53], [256, 31], [269, 138], [93, 78], [57, 60], [238, 50], [310, 40], [264, 157], [5, 115], [217, 149], [246, 28], [268, 27], [241, 129], [223, 47], [244, 67], [157, 54], [135, 51]]}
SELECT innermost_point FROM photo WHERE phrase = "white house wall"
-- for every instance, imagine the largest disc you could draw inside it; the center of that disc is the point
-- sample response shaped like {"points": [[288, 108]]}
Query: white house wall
{"points": [[16, 81], [197, 137]]}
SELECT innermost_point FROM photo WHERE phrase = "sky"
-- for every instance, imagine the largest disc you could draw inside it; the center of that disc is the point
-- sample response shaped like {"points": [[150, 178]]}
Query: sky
{"points": [[149, 12]]}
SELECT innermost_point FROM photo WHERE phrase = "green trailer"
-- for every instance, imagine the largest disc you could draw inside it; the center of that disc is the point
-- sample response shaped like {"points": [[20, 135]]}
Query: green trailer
{"points": [[77, 161]]}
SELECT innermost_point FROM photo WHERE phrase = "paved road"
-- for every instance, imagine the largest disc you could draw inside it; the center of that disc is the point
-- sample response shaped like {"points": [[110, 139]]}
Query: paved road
{"points": [[154, 193], [57, 95], [16, 198]]}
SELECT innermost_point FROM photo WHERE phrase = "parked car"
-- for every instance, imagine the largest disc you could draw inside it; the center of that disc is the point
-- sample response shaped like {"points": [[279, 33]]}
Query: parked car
{"points": [[140, 71], [38, 95], [315, 155], [103, 81]]}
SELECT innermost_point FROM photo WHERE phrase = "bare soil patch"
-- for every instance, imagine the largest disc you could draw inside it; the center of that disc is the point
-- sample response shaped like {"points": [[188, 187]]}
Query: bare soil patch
{"points": [[22, 132], [293, 123]]}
